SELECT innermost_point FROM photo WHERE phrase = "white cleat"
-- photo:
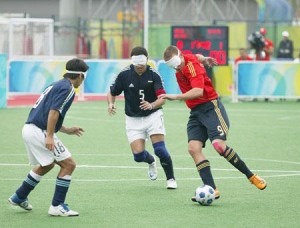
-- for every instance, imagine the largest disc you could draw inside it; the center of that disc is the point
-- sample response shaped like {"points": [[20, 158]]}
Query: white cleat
{"points": [[152, 171], [171, 184], [13, 200], [62, 210]]}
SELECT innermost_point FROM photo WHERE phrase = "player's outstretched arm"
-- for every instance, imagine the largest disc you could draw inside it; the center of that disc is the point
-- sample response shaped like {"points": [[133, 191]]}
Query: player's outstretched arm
{"points": [[208, 61], [145, 105], [72, 130], [189, 95]]}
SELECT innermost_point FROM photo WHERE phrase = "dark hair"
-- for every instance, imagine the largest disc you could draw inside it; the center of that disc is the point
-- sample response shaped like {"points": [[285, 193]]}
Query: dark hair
{"points": [[75, 65], [139, 51]]}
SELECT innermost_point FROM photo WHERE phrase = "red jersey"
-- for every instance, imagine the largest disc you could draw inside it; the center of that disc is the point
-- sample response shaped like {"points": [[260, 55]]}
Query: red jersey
{"points": [[268, 45], [193, 75]]}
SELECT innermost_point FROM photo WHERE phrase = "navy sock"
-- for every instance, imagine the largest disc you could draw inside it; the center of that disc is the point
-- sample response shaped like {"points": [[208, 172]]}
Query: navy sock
{"points": [[61, 189], [205, 173], [165, 159], [27, 186]]}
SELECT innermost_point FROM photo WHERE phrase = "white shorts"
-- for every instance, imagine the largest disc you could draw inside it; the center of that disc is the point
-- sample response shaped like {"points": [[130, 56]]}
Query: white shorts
{"points": [[38, 154], [143, 127]]}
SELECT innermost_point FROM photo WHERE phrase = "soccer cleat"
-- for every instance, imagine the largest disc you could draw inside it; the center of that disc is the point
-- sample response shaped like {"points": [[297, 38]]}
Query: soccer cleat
{"points": [[16, 201], [171, 184], [152, 171], [217, 196], [258, 182], [62, 210]]}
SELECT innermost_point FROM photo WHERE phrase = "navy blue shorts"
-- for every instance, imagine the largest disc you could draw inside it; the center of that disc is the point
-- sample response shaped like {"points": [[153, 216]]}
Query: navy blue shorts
{"points": [[208, 121]]}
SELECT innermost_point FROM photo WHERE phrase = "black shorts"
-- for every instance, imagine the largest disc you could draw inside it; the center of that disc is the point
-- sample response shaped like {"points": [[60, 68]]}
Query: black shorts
{"points": [[208, 120]]}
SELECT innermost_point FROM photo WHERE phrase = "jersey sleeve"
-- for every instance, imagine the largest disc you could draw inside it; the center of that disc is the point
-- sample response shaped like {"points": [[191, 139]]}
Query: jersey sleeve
{"points": [[158, 84], [195, 73], [117, 86]]}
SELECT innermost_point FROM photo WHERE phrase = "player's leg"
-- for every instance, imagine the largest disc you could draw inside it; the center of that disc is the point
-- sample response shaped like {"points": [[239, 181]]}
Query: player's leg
{"points": [[218, 127], [67, 166], [202, 164], [156, 130], [234, 159], [142, 155], [136, 135], [164, 156], [38, 155], [19, 198], [197, 136]]}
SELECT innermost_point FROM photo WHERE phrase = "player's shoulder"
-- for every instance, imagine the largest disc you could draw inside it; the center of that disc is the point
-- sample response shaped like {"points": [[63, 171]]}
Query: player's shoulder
{"points": [[126, 70], [190, 57], [62, 84]]}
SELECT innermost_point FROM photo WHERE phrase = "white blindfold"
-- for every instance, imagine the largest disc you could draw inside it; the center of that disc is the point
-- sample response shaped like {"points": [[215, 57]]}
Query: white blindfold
{"points": [[139, 60], [77, 72], [174, 62]]}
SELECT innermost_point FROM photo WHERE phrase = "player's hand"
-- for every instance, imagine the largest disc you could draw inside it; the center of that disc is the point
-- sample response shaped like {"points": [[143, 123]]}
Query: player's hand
{"points": [[145, 105], [74, 131], [49, 143], [169, 97], [111, 109], [209, 61]]}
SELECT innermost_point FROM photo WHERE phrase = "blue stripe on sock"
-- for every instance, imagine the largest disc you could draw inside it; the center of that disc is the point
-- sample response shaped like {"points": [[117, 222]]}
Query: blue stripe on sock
{"points": [[63, 183], [32, 183]]}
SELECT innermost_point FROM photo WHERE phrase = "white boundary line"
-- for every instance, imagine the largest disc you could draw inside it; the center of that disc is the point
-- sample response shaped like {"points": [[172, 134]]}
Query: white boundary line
{"points": [[133, 180], [139, 167]]}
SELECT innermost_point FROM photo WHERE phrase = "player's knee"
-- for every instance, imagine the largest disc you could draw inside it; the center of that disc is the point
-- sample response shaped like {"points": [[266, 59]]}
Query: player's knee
{"points": [[72, 165], [160, 150], [140, 157], [219, 147], [192, 150]]}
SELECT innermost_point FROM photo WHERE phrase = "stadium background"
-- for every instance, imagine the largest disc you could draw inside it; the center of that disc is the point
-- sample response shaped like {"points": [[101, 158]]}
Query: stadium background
{"points": [[104, 29], [109, 189], [119, 24]]}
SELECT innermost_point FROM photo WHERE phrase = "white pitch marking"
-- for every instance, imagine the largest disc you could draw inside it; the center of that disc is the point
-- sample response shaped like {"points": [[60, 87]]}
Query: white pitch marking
{"points": [[132, 180], [139, 167]]}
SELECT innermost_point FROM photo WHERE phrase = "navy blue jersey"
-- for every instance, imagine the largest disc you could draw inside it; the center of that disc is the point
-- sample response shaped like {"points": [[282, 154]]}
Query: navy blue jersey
{"points": [[137, 88], [58, 96]]}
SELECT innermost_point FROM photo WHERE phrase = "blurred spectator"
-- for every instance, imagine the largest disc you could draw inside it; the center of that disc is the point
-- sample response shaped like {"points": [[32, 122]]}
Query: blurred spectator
{"points": [[243, 56], [297, 60], [268, 50], [286, 47]]}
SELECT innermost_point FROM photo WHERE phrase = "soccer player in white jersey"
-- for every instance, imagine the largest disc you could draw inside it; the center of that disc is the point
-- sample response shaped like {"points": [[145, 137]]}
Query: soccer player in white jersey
{"points": [[144, 117], [43, 147]]}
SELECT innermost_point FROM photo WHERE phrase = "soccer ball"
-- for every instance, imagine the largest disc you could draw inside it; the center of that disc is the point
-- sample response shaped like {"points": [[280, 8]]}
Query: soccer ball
{"points": [[205, 195]]}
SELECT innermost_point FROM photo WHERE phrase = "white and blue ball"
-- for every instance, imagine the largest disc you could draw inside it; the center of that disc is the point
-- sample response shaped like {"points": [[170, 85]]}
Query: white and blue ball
{"points": [[205, 195]]}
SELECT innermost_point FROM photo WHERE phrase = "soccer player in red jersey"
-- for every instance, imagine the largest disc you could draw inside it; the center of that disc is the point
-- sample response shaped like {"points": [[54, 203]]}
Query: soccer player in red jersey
{"points": [[208, 118]]}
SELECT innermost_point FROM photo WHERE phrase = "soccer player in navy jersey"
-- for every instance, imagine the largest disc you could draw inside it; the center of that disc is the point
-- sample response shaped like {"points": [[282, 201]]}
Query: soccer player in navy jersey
{"points": [[43, 147], [142, 85], [208, 118]]}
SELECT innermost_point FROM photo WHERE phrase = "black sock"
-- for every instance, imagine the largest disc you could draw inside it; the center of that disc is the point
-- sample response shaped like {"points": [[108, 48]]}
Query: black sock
{"points": [[167, 165], [205, 173], [237, 162]]}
